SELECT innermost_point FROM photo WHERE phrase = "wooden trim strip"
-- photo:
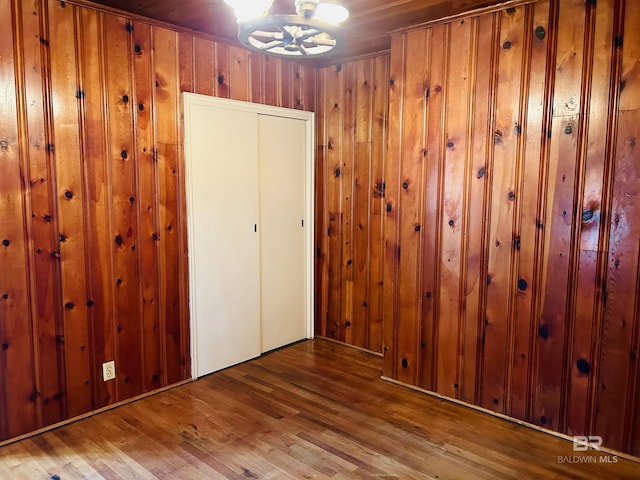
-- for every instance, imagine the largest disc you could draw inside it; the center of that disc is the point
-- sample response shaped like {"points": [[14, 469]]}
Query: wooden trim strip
{"points": [[151, 21], [476, 12]]}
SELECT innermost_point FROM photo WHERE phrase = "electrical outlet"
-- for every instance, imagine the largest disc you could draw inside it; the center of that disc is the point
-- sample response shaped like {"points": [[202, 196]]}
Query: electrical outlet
{"points": [[109, 370]]}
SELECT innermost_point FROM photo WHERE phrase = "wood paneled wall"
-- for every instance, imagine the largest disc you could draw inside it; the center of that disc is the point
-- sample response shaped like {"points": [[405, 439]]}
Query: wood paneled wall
{"points": [[92, 203], [352, 129], [512, 226]]}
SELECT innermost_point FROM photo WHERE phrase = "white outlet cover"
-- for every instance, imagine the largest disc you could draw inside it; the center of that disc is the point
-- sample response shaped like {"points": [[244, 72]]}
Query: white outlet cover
{"points": [[109, 370]]}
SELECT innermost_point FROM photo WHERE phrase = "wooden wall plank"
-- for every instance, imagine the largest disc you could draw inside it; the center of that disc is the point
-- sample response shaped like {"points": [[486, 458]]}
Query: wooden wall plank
{"points": [[148, 226], [411, 175], [377, 202], [286, 84], [239, 74], [98, 205], [481, 141], [392, 217], [186, 60], [71, 215], [361, 207], [560, 215], [333, 160], [347, 154], [271, 75], [621, 303], [502, 246], [206, 76], [122, 159], [309, 86], [166, 151], [529, 186], [432, 220], [45, 306], [454, 206], [221, 72], [18, 408], [321, 216], [588, 296]]}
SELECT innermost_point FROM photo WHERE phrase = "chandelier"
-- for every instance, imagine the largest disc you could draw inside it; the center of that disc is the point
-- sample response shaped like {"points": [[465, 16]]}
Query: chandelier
{"points": [[311, 32]]}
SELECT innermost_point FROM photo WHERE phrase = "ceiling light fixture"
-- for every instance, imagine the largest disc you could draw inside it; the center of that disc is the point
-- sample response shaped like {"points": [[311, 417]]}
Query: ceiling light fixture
{"points": [[311, 32]]}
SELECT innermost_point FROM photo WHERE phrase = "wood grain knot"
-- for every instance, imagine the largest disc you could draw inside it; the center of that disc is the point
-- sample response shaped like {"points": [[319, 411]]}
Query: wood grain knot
{"points": [[451, 223], [568, 130], [5, 346], [90, 303], [5, 296], [389, 208], [347, 323], [68, 194], [405, 363], [511, 10], [405, 185], [417, 228], [69, 305], [4, 145], [137, 49], [450, 144], [583, 366], [6, 242], [587, 215], [62, 237], [522, 284], [339, 68], [506, 45], [119, 240], [540, 33], [543, 332], [124, 154], [220, 79], [543, 420]]}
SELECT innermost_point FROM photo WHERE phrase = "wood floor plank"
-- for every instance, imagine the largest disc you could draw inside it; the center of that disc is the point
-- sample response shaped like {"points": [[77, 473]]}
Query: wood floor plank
{"points": [[314, 410]]}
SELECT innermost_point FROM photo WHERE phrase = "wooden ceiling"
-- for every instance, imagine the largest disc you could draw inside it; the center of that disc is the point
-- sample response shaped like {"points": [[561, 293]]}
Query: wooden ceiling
{"points": [[367, 29]]}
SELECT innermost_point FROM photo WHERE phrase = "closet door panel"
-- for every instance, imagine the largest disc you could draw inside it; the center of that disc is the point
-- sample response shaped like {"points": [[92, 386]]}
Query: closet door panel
{"points": [[282, 233], [225, 245]]}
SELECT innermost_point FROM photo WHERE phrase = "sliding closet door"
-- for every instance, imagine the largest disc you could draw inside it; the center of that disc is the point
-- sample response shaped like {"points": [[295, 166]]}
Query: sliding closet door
{"points": [[282, 211], [224, 244]]}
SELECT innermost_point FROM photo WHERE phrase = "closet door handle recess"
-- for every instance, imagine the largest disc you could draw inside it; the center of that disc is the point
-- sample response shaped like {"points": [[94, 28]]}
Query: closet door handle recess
{"points": [[255, 227]]}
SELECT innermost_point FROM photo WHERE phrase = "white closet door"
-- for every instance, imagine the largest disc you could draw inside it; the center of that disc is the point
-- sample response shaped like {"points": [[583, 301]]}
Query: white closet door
{"points": [[282, 211], [223, 205]]}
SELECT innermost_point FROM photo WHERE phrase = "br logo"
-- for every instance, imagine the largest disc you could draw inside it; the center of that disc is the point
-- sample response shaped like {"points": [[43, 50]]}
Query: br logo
{"points": [[583, 443]]}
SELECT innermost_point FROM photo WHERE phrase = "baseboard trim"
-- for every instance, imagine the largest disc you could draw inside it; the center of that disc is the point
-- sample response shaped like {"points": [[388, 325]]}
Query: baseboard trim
{"points": [[92, 413], [344, 344], [477, 408]]}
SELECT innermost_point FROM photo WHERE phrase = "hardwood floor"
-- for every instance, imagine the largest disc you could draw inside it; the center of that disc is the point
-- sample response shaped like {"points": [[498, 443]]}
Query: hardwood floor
{"points": [[313, 410]]}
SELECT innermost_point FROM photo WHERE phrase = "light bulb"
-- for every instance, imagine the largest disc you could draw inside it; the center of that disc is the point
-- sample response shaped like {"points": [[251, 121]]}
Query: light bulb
{"points": [[246, 10], [331, 12]]}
